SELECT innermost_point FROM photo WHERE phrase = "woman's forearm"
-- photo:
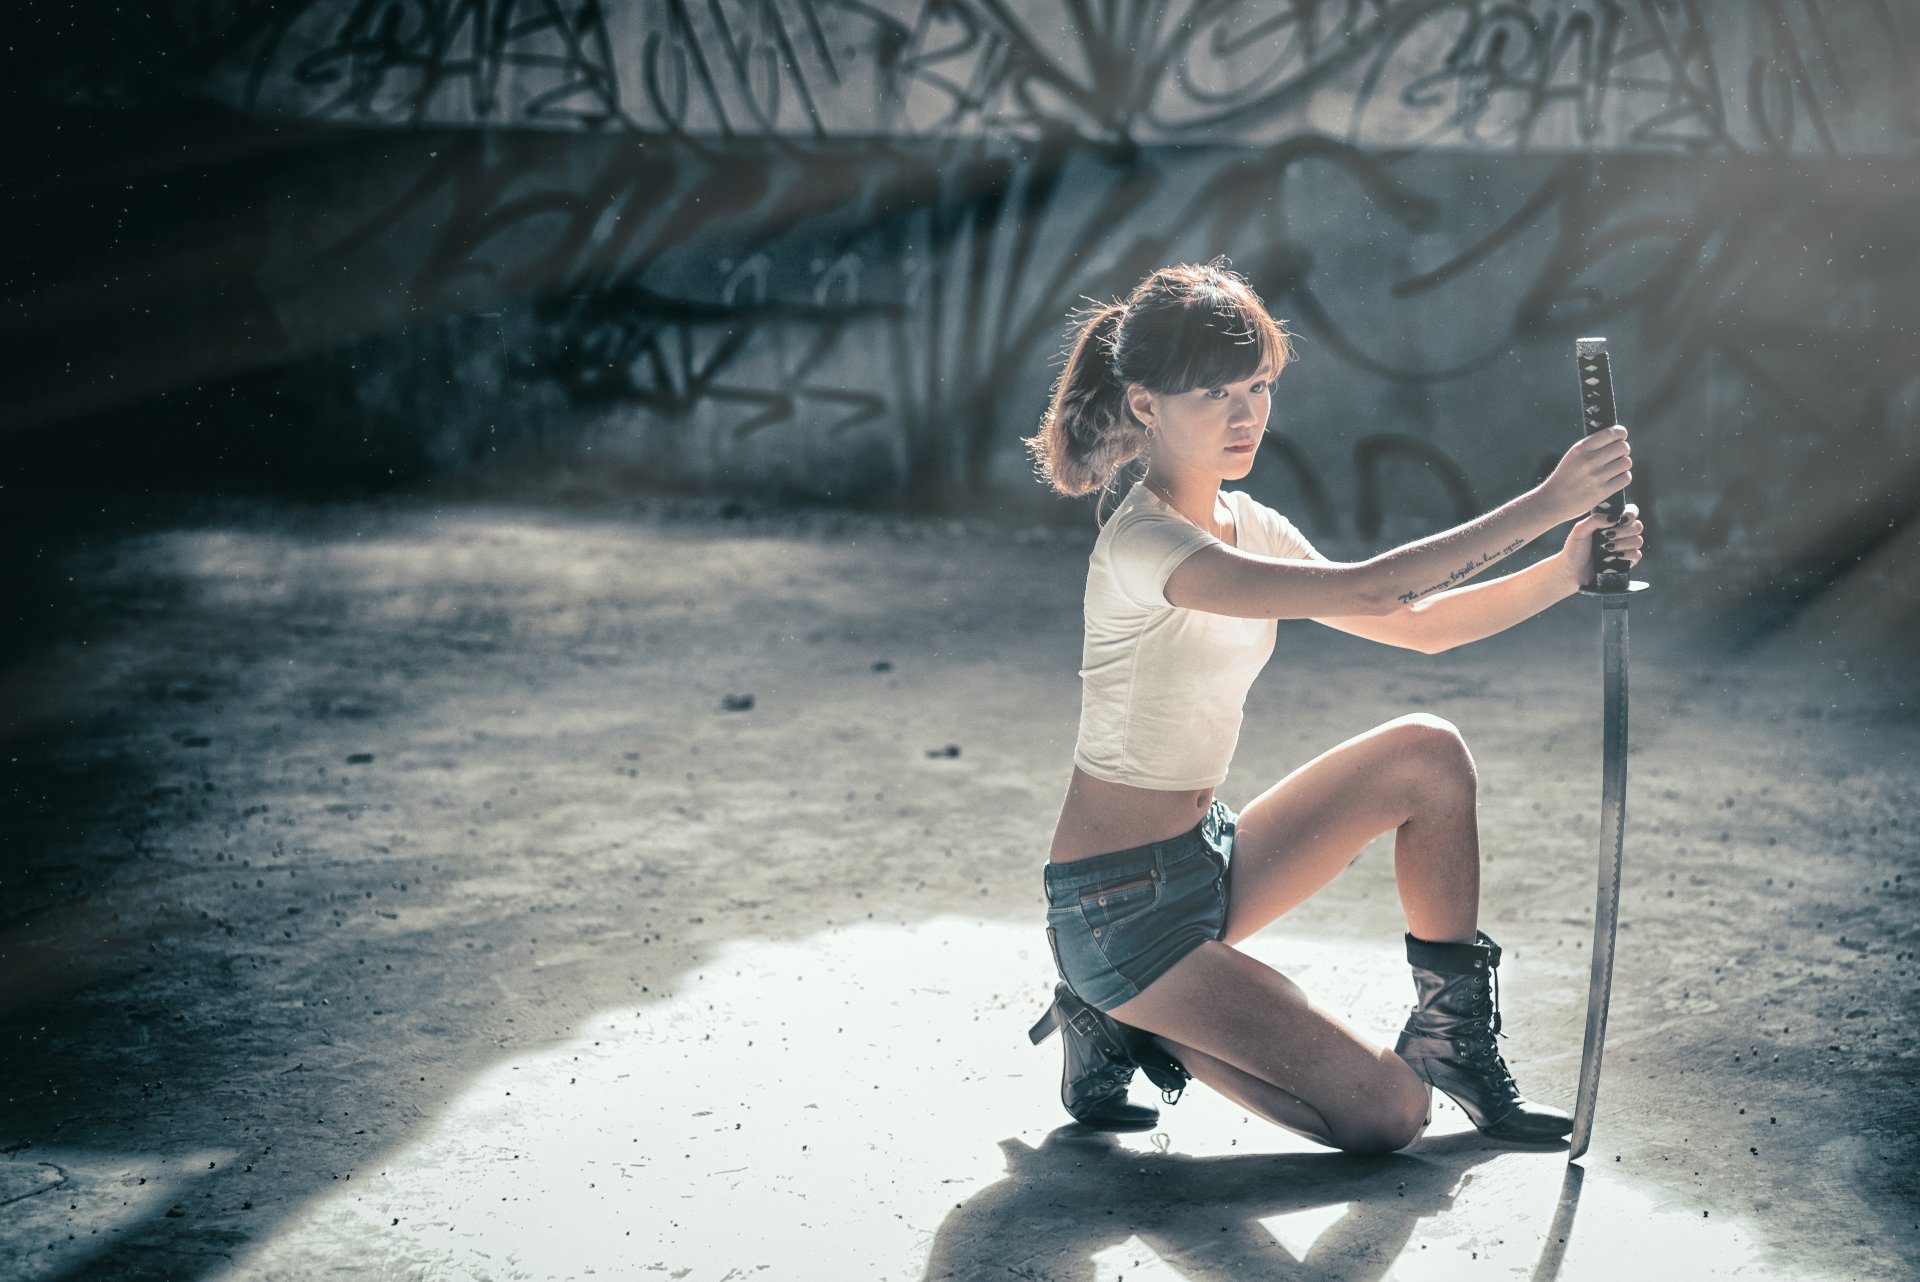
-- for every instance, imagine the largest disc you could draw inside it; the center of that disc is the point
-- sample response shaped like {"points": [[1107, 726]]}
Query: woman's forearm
{"points": [[1592, 468], [1477, 610], [1420, 571], [1468, 613]]}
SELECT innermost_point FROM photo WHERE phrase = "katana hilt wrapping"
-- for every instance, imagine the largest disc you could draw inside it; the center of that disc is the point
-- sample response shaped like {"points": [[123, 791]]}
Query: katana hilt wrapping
{"points": [[1597, 413]]}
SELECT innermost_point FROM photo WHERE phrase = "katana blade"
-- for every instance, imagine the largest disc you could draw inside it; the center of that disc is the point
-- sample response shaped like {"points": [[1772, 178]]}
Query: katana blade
{"points": [[1614, 591], [1613, 826]]}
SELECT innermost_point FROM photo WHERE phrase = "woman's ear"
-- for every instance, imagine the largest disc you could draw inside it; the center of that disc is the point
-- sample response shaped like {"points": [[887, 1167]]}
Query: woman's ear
{"points": [[1140, 401]]}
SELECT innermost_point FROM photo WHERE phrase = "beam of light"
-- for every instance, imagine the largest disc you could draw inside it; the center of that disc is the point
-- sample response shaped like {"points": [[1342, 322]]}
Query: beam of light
{"points": [[1133, 1261], [82, 1202], [1298, 1230]]}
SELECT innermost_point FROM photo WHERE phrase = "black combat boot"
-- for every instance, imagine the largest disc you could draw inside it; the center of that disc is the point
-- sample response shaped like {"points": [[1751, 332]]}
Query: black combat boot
{"points": [[1101, 1054], [1448, 1039]]}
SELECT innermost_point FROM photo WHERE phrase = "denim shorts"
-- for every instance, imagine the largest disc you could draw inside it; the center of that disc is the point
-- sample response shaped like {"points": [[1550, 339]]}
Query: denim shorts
{"points": [[1117, 922]]}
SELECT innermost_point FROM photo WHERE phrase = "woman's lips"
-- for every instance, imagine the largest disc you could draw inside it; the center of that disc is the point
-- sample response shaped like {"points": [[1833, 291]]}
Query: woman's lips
{"points": [[1245, 447]]}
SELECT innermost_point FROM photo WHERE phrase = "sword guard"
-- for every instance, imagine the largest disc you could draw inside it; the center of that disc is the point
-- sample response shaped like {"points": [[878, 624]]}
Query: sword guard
{"points": [[1616, 597]]}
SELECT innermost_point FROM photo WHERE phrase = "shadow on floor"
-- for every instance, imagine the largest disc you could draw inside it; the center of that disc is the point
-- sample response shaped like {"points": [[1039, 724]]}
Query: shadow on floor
{"points": [[1065, 1206]]}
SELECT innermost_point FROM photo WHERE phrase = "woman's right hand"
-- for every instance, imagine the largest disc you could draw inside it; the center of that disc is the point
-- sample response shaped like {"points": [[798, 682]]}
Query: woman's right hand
{"points": [[1597, 465]]}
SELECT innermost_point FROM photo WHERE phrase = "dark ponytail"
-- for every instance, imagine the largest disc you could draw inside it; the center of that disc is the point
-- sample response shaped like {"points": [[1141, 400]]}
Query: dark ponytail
{"points": [[1088, 433], [1183, 327]]}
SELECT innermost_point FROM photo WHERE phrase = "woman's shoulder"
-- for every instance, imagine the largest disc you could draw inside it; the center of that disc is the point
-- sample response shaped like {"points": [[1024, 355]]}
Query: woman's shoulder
{"points": [[1141, 509], [1245, 502], [1278, 535], [1140, 545]]}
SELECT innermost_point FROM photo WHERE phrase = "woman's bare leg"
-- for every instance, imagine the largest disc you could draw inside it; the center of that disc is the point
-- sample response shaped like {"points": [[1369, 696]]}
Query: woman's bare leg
{"points": [[1412, 776], [1249, 1032]]}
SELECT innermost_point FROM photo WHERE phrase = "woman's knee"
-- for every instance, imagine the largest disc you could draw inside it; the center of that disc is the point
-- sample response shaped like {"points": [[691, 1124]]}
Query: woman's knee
{"points": [[1400, 1118], [1433, 751]]}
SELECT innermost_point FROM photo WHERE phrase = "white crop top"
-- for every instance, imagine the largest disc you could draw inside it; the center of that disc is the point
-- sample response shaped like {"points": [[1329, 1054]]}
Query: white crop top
{"points": [[1163, 688]]}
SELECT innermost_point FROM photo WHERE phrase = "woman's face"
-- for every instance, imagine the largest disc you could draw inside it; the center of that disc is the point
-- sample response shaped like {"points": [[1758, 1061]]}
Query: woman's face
{"points": [[1211, 430]]}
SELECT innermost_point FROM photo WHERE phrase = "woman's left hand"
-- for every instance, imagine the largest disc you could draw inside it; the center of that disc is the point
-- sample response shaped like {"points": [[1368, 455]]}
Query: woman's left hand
{"points": [[1628, 539]]}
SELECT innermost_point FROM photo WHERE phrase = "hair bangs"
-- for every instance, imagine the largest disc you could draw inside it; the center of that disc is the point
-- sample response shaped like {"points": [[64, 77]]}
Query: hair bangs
{"points": [[1221, 338]]}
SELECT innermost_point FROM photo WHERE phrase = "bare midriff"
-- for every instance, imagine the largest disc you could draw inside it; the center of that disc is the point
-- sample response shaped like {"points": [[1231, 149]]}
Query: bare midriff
{"points": [[1099, 816]]}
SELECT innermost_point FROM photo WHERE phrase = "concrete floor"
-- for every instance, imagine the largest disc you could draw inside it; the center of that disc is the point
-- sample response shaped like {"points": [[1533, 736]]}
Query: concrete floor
{"points": [[402, 892]]}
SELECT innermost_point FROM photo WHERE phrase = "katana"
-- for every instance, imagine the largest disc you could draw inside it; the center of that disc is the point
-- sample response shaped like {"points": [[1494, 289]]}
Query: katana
{"points": [[1613, 589]]}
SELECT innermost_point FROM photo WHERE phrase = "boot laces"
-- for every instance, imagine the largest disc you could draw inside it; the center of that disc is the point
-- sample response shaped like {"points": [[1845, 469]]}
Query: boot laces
{"points": [[1486, 1054]]}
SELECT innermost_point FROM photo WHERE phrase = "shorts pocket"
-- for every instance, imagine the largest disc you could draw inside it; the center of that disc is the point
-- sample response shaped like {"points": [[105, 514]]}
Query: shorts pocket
{"points": [[1107, 908]]}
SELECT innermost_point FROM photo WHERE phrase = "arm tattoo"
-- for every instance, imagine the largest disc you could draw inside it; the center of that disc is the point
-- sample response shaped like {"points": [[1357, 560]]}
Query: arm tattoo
{"points": [[1466, 571]]}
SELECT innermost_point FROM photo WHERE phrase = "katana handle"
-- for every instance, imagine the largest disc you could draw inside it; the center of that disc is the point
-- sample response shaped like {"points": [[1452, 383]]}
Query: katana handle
{"points": [[1597, 413]]}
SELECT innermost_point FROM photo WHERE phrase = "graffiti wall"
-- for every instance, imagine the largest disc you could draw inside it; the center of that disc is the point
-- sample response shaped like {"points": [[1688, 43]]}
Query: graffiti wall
{"points": [[1774, 76], [802, 246]]}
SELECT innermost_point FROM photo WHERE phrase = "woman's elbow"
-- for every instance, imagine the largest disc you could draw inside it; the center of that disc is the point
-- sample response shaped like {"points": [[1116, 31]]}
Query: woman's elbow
{"points": [[1372, 600], [1376, 594], [1423, 635]]}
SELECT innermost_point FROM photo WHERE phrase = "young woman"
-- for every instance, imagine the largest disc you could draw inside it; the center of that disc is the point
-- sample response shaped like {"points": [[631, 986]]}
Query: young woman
{"points": [[1152, 880]]}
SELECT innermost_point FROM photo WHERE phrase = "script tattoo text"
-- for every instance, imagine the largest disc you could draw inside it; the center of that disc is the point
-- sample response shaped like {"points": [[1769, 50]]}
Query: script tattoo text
{"points": [[1466, 571]]}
